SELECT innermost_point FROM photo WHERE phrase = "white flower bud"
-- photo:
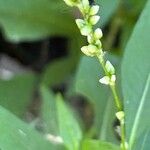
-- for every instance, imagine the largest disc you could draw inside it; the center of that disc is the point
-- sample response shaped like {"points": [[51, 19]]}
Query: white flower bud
{"points": [[94, 10], [98, 43], [89, 50], [86, 30], [98, 33], [110, 68], [120, 115], [105, 80], [80, 23], [86, 3], [113, 78], [94, 19]]}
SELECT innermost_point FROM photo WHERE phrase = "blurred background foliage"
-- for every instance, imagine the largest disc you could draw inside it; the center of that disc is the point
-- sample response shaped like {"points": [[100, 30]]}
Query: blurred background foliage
{"points": [[40, 57]]}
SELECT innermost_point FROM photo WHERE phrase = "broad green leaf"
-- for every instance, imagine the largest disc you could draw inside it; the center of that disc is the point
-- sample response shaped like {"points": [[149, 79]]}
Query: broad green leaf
{"points": [[17, 135], [55, 72], [99, 96], [48, 111], [35, 19], [16, 93], [136, 80], [98, 145], [107, 9], [107, 131], [59, 70], [88, 75], [68, 126]]}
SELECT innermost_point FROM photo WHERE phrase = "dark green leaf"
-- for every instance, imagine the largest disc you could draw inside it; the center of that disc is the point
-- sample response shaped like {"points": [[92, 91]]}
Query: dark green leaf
{"points": [[16, 94]]}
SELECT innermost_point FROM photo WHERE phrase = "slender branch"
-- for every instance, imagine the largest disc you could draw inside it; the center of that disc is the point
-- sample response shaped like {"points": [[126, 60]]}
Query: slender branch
{"points": [[94, 49], [117, 103]]}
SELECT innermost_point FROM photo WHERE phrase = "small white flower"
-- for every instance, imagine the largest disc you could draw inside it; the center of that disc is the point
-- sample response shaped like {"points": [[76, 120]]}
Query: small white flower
{"points": [[120, 115], [89, 50], [86, 30], [110, 68], [94, 19], [80, 23], [98, 33], [85, 3], [94, 10], [105, 80]]}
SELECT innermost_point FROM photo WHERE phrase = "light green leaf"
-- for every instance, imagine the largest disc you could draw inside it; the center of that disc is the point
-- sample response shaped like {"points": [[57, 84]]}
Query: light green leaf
{"points": [[16, 94], [136, 80], [48, 111], [68, 126], [17, 135], [35, 19], [98, 145]]}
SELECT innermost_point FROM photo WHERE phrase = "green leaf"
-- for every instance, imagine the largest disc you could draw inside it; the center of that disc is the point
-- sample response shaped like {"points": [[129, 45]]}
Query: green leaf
{"points": [[68, 126], [35, 19], [16, 94], [98, 145], [107, 10], [56, 73], [87, 84], [15, 134], [51, 75], [136, 81], [48, 111]]}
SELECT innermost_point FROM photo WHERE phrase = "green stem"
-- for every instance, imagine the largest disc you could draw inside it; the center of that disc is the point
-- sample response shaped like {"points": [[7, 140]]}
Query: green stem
{"points": [[118, 102]]}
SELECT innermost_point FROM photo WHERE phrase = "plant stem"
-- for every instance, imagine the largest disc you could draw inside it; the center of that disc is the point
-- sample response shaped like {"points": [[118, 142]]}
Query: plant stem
{"points": [[118, 103]]}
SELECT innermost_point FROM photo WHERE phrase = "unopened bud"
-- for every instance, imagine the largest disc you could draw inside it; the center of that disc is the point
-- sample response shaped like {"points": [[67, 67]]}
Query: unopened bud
{"points": [[94, 20], [98, 33], [105, 80], [94, 10], [89, 50], [110, 68], [120, 115], [86, 30], [80, 23]]}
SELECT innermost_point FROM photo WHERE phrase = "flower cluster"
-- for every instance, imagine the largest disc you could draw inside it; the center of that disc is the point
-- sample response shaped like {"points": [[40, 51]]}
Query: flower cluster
{"points": [[94, 47], [85, 25]]}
